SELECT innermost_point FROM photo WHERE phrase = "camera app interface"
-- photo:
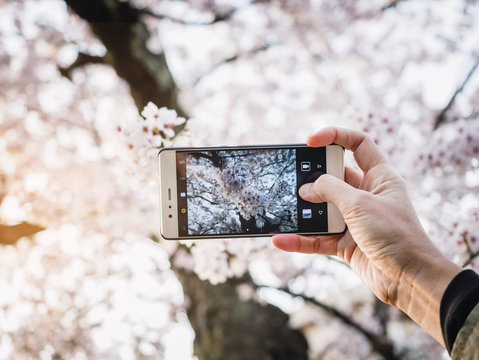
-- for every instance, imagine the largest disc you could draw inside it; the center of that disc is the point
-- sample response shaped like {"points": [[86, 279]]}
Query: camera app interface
{"points": [[248, 191]]}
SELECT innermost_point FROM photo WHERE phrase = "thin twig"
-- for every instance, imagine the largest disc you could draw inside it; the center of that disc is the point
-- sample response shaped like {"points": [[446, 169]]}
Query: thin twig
{"points": [[81, 60], [371, 13], [441, 118], [391, 5], [472, 254]]}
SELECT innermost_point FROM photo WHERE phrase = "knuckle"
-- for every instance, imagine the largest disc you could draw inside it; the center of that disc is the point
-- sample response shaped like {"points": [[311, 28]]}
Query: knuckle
{"points": [[319, 185], [322, 181], [368, 137], [401, 182], [297, 244]]}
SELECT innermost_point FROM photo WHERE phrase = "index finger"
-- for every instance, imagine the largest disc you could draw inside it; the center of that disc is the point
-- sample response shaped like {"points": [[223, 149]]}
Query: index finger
{"points": [[325, 245], [366, 152]]}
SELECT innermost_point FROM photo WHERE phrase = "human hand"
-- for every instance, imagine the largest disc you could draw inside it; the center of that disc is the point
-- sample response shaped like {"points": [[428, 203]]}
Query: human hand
{"points": [[385, 243]]}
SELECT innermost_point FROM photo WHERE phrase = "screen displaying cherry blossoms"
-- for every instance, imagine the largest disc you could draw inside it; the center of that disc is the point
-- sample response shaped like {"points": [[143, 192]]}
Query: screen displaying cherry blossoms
{"points": [[241, 191]]}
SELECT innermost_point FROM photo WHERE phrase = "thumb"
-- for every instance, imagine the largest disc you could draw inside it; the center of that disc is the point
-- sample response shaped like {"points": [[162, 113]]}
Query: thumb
{"points": [[328, 188]]}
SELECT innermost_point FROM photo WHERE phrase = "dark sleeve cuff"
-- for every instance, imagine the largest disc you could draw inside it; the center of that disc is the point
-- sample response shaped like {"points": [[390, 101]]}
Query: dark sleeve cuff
{"points": [[460, 297]]}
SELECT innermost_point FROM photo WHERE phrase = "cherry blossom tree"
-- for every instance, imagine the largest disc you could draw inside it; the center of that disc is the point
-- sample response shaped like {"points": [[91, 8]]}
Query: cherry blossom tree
{"points": [[256, 194], [79, 139]]}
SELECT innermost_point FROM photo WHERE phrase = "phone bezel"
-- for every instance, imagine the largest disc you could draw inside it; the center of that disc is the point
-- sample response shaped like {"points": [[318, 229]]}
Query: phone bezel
{"points": [[169, 203]]}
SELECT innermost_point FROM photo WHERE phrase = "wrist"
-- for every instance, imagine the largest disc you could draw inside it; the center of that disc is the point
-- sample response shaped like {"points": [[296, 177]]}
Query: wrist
{"points": [[420, 291]]}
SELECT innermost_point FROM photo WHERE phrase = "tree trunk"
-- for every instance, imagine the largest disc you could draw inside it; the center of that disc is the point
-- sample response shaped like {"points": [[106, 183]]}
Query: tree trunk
{"points": [[119, 27]]}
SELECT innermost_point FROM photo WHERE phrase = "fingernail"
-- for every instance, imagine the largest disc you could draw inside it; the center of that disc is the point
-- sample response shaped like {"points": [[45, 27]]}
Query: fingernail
{"points": [[303, 190]]}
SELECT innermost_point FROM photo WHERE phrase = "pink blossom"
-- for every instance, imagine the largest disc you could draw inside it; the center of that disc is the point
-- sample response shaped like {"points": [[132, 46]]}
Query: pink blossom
{"points": [[161, 120]]}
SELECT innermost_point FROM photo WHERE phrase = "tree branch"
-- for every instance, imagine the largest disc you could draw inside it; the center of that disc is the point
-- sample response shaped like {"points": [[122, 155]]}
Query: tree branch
{"points": [[9, 235], [471, 257], [212, 156], [81, 60], [472, 116], [472, 254], [381, 312], [441, 118], [235, 57], [217, 17], [391, 4], [379, 343], [374, 12], [202, 197], [288, 164]]}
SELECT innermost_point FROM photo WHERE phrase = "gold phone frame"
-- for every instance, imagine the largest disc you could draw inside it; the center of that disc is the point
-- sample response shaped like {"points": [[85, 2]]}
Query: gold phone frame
{"points": [[169, 199]]}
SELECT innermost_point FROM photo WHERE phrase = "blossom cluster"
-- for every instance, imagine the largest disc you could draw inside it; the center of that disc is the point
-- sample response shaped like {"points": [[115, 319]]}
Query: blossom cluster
{"points": [[249, 201], [139, 139], [216, 261], [451, 148], [464, 231], [383, 130], [154, 129]]}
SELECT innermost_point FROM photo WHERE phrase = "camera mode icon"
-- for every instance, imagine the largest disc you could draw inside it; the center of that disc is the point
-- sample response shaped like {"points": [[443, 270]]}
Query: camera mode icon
{"points": [[305, 166]]}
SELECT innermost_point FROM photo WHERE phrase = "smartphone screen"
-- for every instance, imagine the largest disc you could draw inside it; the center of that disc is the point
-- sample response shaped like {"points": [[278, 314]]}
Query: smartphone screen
{"points": [[248, 191]]}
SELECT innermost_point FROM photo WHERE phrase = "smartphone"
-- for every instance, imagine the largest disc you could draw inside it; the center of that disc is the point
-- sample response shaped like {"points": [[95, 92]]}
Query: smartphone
{"points": [[245, 191]]}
